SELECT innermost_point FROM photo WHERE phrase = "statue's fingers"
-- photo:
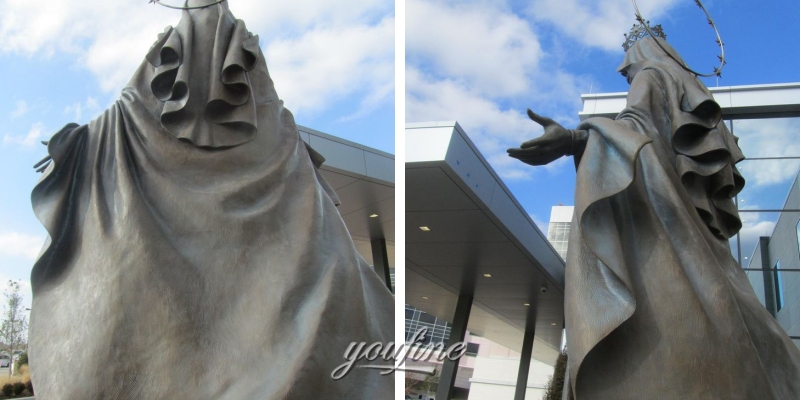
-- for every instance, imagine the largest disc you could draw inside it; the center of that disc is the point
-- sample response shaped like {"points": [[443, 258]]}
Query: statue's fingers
{"points": [[543, 121], [523, 152], [539, 141], [42, 161], [539, 155], [44, 167], [539, 159], [533, 160], [515, 153], [518, 154], [527, 155]]}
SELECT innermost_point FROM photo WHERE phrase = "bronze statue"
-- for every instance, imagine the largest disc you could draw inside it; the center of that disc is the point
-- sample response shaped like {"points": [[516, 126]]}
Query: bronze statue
{"points": [[656, 306], [195, 252]]}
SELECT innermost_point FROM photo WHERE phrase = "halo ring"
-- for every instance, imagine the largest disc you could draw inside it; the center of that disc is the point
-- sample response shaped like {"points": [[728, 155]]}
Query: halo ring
{"points": [[717, 71]]}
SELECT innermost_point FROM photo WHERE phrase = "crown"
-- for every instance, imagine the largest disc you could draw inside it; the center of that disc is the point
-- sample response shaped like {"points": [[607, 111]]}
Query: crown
{"points": [[640, 32], [637, 33]]}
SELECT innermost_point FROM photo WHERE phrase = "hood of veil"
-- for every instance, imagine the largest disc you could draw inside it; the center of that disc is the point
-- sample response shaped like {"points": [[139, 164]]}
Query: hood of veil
{"points": [[204, 78], [706, 151]]}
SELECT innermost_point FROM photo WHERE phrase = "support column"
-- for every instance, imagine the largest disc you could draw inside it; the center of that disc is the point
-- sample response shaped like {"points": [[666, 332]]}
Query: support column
{"points": [[524, 363], [380, 261], [769, 277], [459, 329]]}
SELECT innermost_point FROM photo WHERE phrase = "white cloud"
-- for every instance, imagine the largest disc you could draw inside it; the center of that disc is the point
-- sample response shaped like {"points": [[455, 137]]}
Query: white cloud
{"points": [[27, 140], [326, 65], [768, 138], [110, 39], [541, 224], [14, 244], [597, 23], [106, 37], [91, 103], [492, 49], [290, 17], [21, 108], [492, 128], [473, 63], [76, 109]]}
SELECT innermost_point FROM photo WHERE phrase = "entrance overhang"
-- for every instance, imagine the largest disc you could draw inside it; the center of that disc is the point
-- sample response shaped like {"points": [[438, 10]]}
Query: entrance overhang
{"points": [[466, 234]]}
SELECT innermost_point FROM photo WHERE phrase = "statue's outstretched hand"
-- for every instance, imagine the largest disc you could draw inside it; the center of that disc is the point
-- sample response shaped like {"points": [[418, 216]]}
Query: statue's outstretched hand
{"points": [[552, 145], [43, 163]]}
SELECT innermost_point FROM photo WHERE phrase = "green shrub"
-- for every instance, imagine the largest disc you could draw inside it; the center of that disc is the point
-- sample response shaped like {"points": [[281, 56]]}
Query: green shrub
{"points": [[554, 387], [18, 387], [8, 389], [29, 385], [21, 360]]}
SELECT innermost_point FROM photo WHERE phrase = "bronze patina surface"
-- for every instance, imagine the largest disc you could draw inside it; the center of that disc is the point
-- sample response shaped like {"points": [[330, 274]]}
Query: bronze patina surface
{"points": [[656, 307], [195, 252]]}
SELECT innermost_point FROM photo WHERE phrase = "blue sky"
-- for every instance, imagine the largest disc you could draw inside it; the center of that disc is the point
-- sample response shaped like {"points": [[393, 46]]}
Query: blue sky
{"points": [[490, 60], [62, 62]]}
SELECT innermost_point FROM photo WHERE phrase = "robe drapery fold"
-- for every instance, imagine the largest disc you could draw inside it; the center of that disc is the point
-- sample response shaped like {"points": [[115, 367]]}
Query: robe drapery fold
{"points": [[192, 259], [656, 306]]}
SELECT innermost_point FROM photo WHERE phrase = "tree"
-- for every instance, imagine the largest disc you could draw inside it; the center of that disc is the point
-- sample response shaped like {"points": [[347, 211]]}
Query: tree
{"points": [[555, 385], [431, 383], [411, 384], [15, 323]]}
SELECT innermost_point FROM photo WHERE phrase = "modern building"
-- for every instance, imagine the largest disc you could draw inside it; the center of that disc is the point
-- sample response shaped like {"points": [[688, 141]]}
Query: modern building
{"points": [[363, 178], [475, 259], [438, 330], [774, 268], [495, 366], [558, 229], [488, 370]]}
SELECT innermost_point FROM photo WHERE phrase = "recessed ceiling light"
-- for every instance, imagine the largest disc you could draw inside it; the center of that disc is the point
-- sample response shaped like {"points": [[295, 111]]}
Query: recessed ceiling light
{"points": [[553, 323], [373, 215], [424, 229], [526, 304], [424, 297], [487, 275]]}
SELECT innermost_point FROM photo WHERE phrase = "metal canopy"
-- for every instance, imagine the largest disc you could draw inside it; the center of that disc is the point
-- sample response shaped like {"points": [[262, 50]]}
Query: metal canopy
{"points": [[364, 181], [737, 102], [476, 228]]}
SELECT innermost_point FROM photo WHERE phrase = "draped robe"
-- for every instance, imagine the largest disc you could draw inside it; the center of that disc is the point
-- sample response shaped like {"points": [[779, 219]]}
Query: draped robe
{"points": [[655, 305], [195, 252]]}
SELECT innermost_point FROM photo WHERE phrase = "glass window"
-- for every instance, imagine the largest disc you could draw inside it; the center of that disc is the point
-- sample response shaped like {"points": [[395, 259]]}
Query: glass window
{"points": [[797, 227], [472, 349], [425, 317], [778, 286]]}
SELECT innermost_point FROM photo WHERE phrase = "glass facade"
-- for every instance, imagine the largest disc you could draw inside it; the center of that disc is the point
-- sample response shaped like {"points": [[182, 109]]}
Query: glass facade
{"points": [[558, 235], [438, 329], [772, 162], [778, 286]]}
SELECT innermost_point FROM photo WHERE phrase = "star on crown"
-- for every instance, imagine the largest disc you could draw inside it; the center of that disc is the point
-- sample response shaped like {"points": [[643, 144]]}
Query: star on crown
{"points": [[640, 32]]}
